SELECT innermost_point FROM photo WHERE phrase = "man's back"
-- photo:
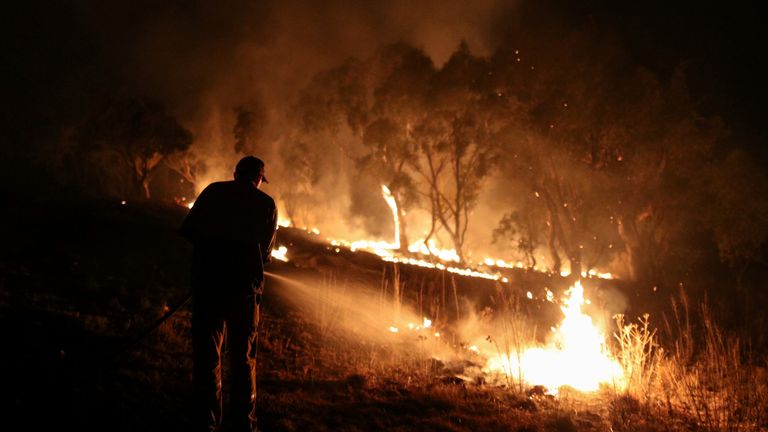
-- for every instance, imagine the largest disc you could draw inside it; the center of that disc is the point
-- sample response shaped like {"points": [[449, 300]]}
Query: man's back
{"points": [[232, 227]]}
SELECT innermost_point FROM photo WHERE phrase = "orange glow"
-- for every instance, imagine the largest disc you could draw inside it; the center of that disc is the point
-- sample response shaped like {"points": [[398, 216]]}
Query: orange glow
{"points": [[428, 254], [576, 356], [280, 253]]}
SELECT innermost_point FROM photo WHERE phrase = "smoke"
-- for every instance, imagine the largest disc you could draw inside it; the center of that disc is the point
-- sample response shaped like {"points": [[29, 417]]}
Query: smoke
{"points": [[201, 57], [208, 61], [205, 61]]}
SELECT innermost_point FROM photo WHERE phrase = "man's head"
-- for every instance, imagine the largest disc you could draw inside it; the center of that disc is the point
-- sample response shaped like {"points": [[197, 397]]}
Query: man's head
{"points": [[250, 169]]}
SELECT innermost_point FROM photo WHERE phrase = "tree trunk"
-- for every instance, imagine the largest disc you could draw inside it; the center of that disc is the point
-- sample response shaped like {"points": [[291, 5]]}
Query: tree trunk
{"points": [[552, 240], [628, 235], [552, 243], [402, 233], [145, 188], [575, 258]]}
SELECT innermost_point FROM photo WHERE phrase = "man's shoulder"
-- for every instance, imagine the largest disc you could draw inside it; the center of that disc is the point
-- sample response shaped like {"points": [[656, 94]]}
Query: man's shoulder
{"points": [[217, 186], [222, 184], [264, 197]]}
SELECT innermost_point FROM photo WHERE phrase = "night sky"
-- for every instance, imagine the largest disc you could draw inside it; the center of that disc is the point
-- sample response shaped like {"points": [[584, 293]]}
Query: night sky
{"points": [[59, 57]]}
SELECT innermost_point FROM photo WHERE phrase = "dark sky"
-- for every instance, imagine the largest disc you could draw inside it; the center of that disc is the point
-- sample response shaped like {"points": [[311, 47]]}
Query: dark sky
{"points": [[60, 57], [721, 44]]}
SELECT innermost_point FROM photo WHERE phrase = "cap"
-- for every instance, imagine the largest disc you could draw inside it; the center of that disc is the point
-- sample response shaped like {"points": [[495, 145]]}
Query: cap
{"points": [[249, 168]]}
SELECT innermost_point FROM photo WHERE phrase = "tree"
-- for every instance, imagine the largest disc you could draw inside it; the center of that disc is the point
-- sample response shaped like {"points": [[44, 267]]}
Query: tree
{"points": [[297, 195], [400, 82], [457, 143], [456, 158], [387, 162], [376, 100], [737, 186], [140, 132], [610, 151], [407, 116], [188, 164], [249, 128], [518, 227], [333, 99]]}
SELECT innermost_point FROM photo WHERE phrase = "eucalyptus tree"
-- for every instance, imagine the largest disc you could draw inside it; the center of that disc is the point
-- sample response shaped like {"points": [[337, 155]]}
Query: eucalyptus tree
{"points": [[140, 132]]}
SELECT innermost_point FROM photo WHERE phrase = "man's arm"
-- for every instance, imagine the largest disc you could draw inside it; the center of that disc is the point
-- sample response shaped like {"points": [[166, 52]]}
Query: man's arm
{"points": [[271, 234], [190, 228]]}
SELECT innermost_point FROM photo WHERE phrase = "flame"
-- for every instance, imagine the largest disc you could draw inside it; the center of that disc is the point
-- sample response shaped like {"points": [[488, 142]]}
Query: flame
{"points": [[390, 199], [431, 255], [430, 248], [577, 355], [425, 326], [280, 253], [387, 249]]}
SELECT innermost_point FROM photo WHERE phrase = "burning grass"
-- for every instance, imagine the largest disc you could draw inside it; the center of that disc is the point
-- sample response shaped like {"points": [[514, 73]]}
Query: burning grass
{"points": [[648, 388]]}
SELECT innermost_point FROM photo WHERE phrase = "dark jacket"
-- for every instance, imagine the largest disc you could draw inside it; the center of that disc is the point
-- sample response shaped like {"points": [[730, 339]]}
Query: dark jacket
{"points": [[232, 227]]}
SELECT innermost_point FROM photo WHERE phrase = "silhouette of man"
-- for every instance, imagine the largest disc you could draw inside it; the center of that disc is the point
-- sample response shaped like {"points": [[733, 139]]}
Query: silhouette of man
{"points": [[232, 227]]}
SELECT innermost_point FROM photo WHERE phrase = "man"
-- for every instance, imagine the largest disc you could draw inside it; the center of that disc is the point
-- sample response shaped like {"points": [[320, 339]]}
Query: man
{"points": [[232, 227]]}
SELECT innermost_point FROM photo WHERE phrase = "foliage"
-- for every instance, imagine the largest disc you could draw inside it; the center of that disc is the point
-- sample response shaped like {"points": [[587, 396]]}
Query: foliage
{"points": [[248, 130], [139, 131], [297, 195], [427, 134], [604, 163]]}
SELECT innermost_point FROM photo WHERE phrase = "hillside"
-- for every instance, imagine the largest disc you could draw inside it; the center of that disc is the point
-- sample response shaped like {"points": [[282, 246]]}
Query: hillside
{"points": [[82, 280]]}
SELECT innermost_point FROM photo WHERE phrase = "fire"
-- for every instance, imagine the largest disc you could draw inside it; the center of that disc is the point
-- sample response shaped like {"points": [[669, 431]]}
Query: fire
{"points": [[432, 256], [431, 249], [387, 250], [280, 253], [424, 327], [577, 355], [390, 199]]}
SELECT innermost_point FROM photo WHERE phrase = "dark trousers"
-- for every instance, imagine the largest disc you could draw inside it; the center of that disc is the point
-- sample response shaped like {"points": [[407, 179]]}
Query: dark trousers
{"points": [[213, 316]]}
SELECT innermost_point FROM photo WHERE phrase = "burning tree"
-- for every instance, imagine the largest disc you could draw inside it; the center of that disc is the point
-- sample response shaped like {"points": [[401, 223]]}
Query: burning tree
{"points": [[327, 111], [603, 159], [606, 151], [140, 132], [297, 195], [388, 163], [424, 132], [456, 156], [398, 106], [377, 102]]}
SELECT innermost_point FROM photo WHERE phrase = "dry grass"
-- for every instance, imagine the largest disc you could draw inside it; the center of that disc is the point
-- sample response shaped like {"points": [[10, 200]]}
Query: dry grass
{"points": [[640, 356], [705, 375], [712, 376]]}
